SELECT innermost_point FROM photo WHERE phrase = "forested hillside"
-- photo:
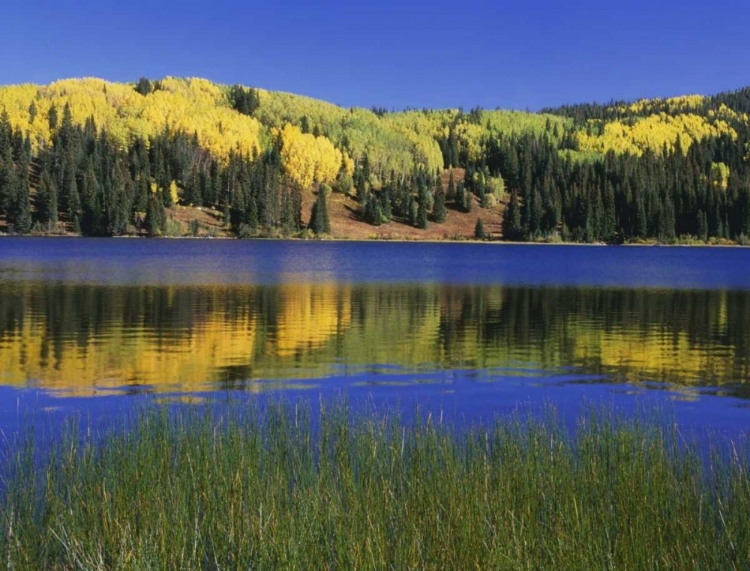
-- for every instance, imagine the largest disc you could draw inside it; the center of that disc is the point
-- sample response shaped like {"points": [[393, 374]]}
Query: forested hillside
{"points": [[154, 157]]}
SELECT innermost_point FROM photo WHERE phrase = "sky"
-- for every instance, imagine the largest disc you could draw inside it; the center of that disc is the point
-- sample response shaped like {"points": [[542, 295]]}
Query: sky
{"points": [[512, 54]]}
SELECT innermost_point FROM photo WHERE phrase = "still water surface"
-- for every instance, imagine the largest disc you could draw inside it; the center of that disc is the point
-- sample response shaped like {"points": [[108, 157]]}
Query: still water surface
{"points": [[97, 326]]}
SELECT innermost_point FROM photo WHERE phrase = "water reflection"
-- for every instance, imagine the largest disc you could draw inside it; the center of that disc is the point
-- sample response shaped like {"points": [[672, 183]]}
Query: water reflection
{"points": [[85, 339]]}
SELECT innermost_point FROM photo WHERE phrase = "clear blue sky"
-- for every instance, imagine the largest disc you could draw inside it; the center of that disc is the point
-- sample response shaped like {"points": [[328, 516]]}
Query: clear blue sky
{"points": [[394, 54]]}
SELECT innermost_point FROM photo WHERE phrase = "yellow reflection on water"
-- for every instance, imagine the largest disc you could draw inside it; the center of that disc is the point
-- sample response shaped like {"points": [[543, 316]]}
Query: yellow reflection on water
{"points": [[96, 340]]}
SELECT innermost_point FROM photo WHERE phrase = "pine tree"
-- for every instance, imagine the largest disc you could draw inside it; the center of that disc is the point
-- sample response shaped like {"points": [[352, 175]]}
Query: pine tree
{"points": [[8, 185], [460, 197], [422, 216], [46, 203], [512, 229], [451, 194], [468, 201], [252, 213], [21, 211], [144, 86], [156, 218], [439, 211], [479, 230], [413, 211], [373, 213], [319, 221]]}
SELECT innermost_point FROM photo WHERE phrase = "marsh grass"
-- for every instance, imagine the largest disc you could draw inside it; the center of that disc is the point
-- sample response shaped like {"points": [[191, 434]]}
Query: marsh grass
{"points": [[281, 487]]}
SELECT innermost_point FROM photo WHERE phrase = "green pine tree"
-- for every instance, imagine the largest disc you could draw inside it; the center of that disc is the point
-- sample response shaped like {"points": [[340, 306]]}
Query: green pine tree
{"points": [[422, 216], [439, 210], [319, 220], [512, 228], [46, 203], [479, 230]]}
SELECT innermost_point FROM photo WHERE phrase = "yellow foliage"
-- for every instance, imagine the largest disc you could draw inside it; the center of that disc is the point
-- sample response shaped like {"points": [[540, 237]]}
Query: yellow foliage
{"points": [[190, 106], [720, 175], [348, 164], [673, 104], [173, 192], [653, 133], [308, 159]]}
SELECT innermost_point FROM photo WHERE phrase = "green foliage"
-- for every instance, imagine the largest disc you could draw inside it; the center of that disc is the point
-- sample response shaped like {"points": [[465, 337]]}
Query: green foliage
{"points": [[283, 487], [144, 87], [319, 220], [194, 227], [373, 211], [479, 230], [244, 100], [439, 210]]}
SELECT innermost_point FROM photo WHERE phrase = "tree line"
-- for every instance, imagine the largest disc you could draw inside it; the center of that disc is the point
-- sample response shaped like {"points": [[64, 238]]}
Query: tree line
{"points": [[85, 180]]}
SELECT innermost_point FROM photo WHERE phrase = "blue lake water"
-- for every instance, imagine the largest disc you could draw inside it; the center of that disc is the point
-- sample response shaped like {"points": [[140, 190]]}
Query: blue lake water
{"points": [[96, 327]]}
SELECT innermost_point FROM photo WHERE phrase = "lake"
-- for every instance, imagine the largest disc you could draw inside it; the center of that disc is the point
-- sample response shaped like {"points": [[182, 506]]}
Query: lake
{"points": [[472, 330]]}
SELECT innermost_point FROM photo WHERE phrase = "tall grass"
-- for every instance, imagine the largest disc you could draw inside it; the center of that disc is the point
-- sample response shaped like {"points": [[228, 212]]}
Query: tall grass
{"points": [[279, 487]]}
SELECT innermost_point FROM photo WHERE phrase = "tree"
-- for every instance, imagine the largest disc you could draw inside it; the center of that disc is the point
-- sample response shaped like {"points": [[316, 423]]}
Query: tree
{"points": [[479, 230], [144, 86], [20, 212], [319, 221], [439, 211], [451, 194], [156, 217], [46, 203], [512, 229], [422, 216], [373, 213]]}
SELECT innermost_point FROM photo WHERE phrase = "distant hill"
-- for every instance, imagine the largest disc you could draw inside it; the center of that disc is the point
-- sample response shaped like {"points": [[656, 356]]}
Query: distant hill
{"points": [[186, 155]]}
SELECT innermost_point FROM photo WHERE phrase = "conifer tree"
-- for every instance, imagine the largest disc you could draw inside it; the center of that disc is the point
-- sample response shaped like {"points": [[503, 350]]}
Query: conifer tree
{"points": [[512, 229], [20, 213], [479, 230], [451, 193], [46, 203], [439, 211], [319, 220], [156, 218], [422, 216], [144, 86]]}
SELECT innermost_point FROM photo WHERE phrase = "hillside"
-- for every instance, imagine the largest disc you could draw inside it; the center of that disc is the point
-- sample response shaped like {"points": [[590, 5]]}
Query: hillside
{"points": [[177, 156]]}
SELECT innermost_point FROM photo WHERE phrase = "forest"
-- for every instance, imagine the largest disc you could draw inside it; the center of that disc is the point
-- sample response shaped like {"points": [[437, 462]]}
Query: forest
{"points": [[91, 157]]}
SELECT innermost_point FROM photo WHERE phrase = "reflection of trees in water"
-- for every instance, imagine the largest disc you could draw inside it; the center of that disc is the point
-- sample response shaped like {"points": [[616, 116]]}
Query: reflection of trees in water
{"points": [[57, 335]]}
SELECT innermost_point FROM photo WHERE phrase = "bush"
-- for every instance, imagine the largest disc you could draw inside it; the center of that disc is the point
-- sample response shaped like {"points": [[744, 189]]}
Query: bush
{"points": [[174, 228], [194, 227], [345, 184], [489, 201]]}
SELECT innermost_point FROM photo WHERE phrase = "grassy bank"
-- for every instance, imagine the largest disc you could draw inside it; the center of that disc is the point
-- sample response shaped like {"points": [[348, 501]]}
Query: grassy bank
{"points": [[273, 489]]}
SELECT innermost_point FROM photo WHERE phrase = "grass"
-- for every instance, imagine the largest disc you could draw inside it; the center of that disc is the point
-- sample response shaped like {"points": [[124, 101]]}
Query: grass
{"points": [[280, 487]]}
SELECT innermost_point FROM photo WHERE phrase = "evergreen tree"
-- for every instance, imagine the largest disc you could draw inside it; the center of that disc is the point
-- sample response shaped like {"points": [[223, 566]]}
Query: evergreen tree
{"points": [[479, 230], [8, 184], [413, 211], [20, 213], [319, 220], [451, 194], [156, 217], [512, 229], [439, 211], [46, 203], [373, 213], [422, 216]]}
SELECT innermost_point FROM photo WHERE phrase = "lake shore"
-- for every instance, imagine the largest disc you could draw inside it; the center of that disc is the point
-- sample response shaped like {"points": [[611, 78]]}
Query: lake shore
{"points": [[397, 240]]}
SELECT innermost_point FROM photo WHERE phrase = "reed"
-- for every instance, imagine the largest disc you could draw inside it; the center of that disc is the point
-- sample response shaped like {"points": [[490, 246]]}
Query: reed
{"points": [[284, 486]]}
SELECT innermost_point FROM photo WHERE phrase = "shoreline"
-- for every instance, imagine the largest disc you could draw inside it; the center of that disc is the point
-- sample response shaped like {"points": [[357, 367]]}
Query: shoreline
{"points": [[382, 240]]}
